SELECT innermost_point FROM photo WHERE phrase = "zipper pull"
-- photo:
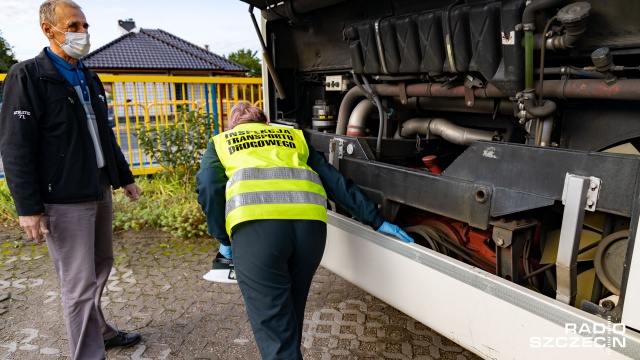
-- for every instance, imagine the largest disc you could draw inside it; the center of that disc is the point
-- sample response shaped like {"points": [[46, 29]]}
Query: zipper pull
{"points": [[49, 187], [70, 100]]}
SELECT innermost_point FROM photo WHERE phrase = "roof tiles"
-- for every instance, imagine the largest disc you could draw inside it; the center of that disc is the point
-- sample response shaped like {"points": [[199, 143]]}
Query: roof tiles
{"points": [[152, 49]]}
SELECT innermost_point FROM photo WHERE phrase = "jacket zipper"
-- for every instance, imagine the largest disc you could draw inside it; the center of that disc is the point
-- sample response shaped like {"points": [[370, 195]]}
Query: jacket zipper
{"points": [[55, 173], [67, 85]]}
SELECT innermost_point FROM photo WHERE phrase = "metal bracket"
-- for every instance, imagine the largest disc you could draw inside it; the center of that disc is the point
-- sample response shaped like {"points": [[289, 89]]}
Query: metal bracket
{"points": [[574, 198], [511, 238], [336, 152], [593, 191], [609, 310], [469, 83], [402, 89], [503, 231]]}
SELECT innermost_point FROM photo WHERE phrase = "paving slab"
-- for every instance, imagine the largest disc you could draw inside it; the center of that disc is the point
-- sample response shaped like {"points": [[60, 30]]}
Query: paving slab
{"points": [[156, 288]]}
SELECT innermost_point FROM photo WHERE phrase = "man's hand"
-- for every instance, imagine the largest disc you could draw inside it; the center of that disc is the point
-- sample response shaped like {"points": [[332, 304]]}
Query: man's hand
{"points": [[132, 191], [34, 225]]}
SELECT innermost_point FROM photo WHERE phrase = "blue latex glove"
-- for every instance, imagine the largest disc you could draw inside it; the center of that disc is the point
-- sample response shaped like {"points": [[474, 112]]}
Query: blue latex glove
{"points": [[394, 230], [225, 251]]}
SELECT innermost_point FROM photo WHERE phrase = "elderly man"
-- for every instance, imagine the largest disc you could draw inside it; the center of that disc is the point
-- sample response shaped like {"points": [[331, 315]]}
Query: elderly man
{"points": [[61, 160]]}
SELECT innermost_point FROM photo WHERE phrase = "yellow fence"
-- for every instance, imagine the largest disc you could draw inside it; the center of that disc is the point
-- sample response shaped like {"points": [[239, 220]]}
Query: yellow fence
{"points": [[154, 101]]}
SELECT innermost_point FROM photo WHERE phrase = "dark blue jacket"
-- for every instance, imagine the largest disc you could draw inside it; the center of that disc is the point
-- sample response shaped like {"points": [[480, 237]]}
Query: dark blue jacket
{"points": [[212, 181], [45, 145]]}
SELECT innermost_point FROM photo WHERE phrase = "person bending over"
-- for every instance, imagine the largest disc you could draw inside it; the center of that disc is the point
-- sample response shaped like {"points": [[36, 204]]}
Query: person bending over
{"points": [[264, 192]]}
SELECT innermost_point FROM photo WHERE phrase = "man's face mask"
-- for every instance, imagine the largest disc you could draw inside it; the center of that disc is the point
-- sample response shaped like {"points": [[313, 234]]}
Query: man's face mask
{"points": [[76, 45]]}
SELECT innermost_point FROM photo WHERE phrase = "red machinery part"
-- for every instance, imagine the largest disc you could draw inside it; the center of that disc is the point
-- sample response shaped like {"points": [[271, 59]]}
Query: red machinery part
{"points": [[476, 241], [431, 164]]}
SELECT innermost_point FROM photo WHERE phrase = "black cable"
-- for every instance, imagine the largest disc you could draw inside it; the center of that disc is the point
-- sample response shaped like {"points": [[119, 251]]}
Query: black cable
{"points": [[550, 266]]}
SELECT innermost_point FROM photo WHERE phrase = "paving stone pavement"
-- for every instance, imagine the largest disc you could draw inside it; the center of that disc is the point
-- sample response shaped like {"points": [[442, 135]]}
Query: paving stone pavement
{"points": [[156, 288]]}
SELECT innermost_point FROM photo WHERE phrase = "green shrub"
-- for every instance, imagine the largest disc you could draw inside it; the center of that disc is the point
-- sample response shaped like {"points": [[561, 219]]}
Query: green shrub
{"points": [[178, 146], [165, 205], [169, 202], [8, 214]]}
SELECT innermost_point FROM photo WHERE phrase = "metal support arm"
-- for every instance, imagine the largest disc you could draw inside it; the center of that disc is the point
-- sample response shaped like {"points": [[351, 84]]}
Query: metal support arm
{"points": [[576, 198]]}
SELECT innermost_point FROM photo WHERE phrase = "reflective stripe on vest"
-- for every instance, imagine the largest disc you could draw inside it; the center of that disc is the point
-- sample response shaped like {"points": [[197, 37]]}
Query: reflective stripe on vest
{"points": [[274, 197], [274, 173]]}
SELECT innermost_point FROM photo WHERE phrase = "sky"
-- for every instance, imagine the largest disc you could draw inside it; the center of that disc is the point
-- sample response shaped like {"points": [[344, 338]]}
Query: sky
{"points": [[224, 25]]}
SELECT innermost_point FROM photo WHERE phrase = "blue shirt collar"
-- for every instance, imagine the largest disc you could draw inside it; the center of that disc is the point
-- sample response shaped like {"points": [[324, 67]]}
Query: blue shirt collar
{"points": [[58, 61]]}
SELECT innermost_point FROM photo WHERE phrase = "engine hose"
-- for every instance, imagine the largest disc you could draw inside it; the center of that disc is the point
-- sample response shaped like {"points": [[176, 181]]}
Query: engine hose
{"points": [[359, 85], [528, 59], [443, 128], [529, 13], [545, 133], [544, 36], [430, 90], [357, 120], [381, 114], [571, 70], [623, 89], [528, 23], [547, 108]]}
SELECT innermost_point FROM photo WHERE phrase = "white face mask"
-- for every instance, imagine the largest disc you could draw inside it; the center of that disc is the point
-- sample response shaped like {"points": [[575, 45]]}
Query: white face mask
{"points": [[76, 45]]}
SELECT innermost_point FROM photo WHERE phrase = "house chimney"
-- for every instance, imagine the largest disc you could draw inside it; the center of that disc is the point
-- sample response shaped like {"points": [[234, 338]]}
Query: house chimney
{"points": [[206, 47], [127, 26]]}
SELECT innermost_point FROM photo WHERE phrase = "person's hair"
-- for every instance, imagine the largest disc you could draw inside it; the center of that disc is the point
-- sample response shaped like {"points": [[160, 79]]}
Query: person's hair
{"points": [[47, 10], [243, 112]]}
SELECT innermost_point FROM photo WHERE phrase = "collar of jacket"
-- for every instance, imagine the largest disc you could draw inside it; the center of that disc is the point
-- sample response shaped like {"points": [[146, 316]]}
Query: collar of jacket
{"points": [[47, 70]]}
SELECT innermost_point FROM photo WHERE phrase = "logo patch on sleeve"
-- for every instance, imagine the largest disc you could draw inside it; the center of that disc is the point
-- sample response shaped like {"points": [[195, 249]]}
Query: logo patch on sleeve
{"points": [[22, 114]]}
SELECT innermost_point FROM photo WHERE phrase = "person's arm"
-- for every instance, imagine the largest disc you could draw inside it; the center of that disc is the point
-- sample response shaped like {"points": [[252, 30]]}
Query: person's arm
{"points": [[351, 197], [19, 141], [345, 192], [211, 185], [18, 146]]}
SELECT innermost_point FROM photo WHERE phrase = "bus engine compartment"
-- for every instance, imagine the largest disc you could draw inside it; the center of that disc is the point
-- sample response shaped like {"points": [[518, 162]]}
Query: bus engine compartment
{"points": [[504, 134]]}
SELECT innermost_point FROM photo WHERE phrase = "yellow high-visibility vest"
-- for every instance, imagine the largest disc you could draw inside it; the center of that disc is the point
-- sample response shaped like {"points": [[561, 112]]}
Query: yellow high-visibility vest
{"points": [[268, 175]]}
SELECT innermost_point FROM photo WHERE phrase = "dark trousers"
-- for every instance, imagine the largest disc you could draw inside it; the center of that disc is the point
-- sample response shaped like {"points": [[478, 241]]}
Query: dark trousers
{"points": [[81, 248], [275, 261]]}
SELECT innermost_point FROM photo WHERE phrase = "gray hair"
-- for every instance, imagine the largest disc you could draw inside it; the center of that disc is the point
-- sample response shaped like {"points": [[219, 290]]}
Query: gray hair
{"points": [[243, 112], [47, 10]]}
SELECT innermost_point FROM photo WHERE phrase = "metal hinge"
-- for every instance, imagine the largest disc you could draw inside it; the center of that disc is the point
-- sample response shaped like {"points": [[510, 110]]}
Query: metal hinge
{"points": [[593, 191]]}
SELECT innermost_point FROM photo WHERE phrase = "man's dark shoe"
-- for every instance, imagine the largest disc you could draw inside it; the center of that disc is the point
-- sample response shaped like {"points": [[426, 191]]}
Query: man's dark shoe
{"points": [[122, 340]]}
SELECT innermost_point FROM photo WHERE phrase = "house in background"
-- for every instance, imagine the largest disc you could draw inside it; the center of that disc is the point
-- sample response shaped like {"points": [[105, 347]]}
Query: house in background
{"points": [[157, 52]]}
